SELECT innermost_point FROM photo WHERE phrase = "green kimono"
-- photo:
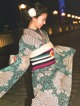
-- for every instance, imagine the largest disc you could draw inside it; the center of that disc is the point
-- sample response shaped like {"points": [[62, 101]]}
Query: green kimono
{"points": [[51, 69]]}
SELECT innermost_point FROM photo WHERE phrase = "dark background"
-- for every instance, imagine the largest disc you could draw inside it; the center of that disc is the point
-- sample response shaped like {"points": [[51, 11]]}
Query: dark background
{"points": [[9, 12]]}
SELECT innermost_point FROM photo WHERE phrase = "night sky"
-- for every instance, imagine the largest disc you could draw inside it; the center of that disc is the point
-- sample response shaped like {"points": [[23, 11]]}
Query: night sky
{"points": [[73, 6], [9, 12]]}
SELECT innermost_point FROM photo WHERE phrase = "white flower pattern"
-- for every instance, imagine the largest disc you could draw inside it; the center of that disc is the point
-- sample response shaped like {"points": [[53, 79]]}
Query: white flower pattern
{"points": [[57, 81], [39, 76], [37, 89], [63, 83], [25, 60], [5, 77], [66, 84], [45, 99], [2, 93], [67, 61]]}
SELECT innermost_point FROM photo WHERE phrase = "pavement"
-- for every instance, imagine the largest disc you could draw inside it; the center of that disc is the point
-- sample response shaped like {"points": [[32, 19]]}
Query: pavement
{"points": [[17, 94]]}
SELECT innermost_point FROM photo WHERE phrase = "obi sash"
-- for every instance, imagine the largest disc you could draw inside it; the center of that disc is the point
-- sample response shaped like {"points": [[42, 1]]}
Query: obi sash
{"points": [[42, 57]]}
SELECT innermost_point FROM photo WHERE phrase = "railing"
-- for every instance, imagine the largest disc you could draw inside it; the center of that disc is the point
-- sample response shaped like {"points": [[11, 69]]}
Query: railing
{"points": [[5, 39], [59, 29]]}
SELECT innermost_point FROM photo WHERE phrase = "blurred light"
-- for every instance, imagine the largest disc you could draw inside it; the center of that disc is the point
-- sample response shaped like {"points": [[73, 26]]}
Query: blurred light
{"points": [[68, 15], [67, 28], [60, 29], [61, 6], [22, 6], [73, 16], [75, 22], [55, 12], [76, 17], [63, 14], [50, 31], [5, 39]]}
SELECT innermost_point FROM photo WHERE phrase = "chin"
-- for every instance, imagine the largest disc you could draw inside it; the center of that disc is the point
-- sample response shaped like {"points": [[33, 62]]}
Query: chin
{"points": [[39, 27]]}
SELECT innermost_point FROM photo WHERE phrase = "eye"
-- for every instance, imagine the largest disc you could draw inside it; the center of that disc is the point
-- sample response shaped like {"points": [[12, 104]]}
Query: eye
{"points": [[44, 19]]}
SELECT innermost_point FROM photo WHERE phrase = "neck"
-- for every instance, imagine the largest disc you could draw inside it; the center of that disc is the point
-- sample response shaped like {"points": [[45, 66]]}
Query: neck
{"points": [[31, 26]]}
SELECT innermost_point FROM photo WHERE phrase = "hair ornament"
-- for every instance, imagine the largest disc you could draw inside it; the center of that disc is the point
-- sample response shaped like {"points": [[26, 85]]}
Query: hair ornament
{"points": [[32, 12]]}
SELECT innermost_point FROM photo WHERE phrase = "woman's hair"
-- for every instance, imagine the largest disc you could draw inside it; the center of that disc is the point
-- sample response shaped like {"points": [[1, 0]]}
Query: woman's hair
{"points": [[39, 9]]}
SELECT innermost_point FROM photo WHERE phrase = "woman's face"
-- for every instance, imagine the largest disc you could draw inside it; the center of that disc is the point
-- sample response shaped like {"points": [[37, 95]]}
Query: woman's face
{"points": [[41, 20]]}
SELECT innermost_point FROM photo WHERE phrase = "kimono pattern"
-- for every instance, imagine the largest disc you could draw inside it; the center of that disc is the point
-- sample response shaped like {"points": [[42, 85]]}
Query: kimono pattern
{"points": [[51, 84]]}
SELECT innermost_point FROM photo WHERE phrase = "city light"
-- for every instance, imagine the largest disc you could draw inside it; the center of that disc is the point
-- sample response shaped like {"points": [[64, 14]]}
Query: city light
{"points": [[63, 14], [22, 6], [73, 16], [55, 12], [68, 15]]}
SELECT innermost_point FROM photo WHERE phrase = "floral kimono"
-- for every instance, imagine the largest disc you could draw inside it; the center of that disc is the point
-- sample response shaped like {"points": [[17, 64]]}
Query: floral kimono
{"points": [[51, 69]]}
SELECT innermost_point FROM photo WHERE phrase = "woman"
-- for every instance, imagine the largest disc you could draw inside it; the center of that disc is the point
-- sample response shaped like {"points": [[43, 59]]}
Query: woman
{"points": [[51, 66]]}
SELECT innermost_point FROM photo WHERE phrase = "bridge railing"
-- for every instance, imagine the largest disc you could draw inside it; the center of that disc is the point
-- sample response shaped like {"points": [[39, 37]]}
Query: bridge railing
{"points": [[60, 29]]}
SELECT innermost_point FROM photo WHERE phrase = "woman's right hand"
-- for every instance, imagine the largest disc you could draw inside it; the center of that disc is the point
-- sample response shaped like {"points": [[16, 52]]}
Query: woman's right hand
{"points": [[12, 59]]}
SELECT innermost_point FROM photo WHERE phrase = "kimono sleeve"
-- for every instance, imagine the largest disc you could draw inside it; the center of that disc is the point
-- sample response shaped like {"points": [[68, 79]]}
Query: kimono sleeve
{"points": [[64, 66], [12, 73]]}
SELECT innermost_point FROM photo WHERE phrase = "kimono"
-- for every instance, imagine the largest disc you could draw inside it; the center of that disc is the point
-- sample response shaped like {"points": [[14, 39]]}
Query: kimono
{"points": [[51, 69]]}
